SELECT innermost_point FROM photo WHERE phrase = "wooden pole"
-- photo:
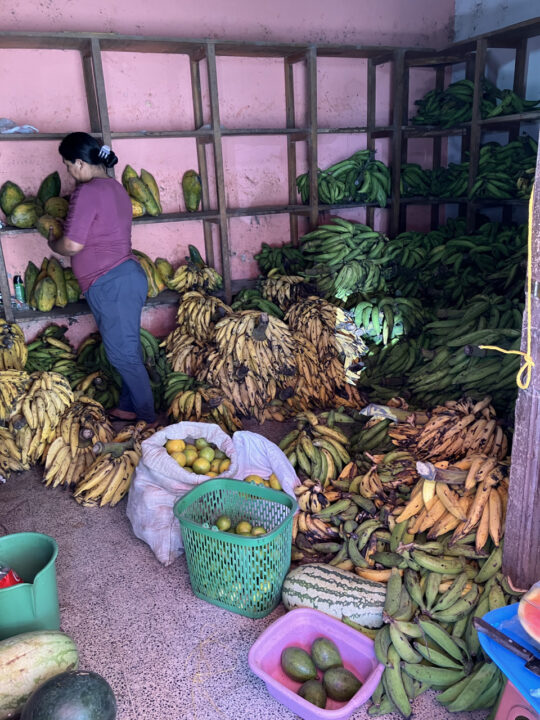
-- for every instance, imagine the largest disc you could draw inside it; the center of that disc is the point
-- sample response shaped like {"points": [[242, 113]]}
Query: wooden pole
{"points": [[521, 557]]}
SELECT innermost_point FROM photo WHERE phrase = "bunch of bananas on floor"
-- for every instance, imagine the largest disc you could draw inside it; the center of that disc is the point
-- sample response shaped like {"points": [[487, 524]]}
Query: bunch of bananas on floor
{"points": [[195, 275], [198, 313], [316, 320], [82, 425], [184, 353], [284, 290], [13, 350], [50, 348], [311, 387], [387, 318], [13, 385], [10, 454], [372, 436], [38, 413], [286, 259], [107, 479], [359, 178], [252, 299], [386, 367], [317, 450], [157, 282], [187, 405]]}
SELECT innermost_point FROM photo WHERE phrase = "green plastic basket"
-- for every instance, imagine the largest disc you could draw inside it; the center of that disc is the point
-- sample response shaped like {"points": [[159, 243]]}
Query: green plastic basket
{"points": [[242, 574]]}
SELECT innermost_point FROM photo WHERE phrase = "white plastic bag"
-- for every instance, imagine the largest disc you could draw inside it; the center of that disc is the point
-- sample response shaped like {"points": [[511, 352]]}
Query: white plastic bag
{"points": [[159, 481]]}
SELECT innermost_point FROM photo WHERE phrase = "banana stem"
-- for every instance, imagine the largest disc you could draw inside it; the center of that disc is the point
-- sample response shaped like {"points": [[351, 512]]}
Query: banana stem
{"points": [[115, 449]]}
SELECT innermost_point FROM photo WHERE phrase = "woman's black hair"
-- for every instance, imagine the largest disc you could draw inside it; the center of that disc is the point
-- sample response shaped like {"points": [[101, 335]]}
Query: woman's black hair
{"points": [[82, 146]]}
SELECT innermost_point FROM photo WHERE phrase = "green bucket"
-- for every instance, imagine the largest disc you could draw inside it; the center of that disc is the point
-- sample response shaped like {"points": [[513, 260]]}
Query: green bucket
{"points": [[32, 605], [242, 574]]}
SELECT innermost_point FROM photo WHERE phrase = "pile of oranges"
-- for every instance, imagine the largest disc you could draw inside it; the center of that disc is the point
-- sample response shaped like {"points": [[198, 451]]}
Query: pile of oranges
{"points": [[199, 457]]}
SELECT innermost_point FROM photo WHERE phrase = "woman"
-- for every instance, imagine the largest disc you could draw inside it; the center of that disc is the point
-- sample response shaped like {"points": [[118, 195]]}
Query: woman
{"points": [[97, 237]]}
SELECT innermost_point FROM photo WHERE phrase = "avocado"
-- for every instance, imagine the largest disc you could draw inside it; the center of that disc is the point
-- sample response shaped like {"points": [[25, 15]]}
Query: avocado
{"points": [[297, 664], [325, 654], [313, 692], [341, 684]]}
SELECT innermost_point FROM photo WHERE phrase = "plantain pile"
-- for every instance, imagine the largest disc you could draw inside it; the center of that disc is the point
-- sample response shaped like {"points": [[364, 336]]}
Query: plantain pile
{"points": [[284, 290], [13, 385], [184, 353], [204, 404], [50, 285], [252, 299], [83, 424], [143, 192], [383, 319], [357, 179], [195, 275], [10, 454], [286, 259], [13, 350], [43, 211]]}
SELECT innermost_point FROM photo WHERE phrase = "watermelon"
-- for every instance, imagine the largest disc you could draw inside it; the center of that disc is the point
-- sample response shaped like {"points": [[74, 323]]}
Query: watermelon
{"points": [[72, 696], [529, 613], [29, 659], [335, 592]]}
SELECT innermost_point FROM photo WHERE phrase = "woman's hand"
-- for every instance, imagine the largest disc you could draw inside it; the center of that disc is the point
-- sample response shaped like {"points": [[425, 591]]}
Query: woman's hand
{"points": [[63, 245]]}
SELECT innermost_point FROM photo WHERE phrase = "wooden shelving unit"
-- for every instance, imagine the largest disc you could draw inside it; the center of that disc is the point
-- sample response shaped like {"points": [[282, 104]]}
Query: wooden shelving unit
{"points": [[402, 61]]}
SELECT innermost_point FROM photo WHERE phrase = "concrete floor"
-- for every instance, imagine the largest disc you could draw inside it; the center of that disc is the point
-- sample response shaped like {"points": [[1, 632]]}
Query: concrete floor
{"points": [[166, 654]]}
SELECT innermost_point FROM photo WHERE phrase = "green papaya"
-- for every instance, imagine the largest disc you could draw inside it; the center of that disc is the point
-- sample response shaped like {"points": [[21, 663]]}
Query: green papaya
{"points": [[128, 173], [73, 290], [50, 187], [30, 277], [46, 222], [192, 189], [45, 294], [149, 180], [56, 272], [36, 201], [164, 268], [138, 190], [11, 195], [24, 215], [57, 207], [137, 208]]}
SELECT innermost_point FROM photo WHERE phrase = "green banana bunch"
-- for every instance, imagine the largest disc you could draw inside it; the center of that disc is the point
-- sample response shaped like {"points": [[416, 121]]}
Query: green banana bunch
{"points": [[178, 382], [388, 318], [251, 299], [286, 258], [415, 180], [48, 349]]}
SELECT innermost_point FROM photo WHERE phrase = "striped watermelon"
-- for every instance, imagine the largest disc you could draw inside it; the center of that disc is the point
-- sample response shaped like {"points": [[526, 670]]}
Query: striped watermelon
{"points": [[335, 592]]}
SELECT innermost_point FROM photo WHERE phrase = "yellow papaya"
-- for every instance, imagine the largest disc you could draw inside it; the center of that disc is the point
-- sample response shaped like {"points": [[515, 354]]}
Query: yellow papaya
{"points": [[11, 195], [46, 222], [152, 274], [24, 215], [192, 189], [50, 187], [30, 276], [140, 192], [164, 268], [138, 209], [45, 294], [56, 272], [57, 207], [128, 173], [150, 182]]}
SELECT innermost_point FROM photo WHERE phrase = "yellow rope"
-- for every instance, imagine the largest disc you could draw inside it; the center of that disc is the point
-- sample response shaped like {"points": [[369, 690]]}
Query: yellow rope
{"points": [[525, 370]]}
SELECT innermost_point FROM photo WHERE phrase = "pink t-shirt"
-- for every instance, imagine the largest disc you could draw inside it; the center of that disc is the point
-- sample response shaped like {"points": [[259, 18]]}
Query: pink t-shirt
{"points": [[99, 218]]}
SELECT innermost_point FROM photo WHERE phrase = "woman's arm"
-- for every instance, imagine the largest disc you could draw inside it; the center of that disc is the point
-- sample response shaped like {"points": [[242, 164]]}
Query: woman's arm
{"points": [[63, 246]]}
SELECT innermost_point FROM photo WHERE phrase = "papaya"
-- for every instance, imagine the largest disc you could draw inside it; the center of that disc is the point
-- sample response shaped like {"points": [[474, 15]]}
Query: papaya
{"points": [[138, 209], [11, 195], [30, 276], [73, 290], [149, 180], [192, 189], [24, 215], [57, 207], [128, 173], [56, 272], [164, 268], [155, 283], [50, 187], [45, 294], [35, 201], [140, 192], [46, 222], [44, 264]]}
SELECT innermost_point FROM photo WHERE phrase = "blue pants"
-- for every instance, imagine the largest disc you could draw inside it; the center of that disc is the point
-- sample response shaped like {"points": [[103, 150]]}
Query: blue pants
{"points": [[116, 300]]}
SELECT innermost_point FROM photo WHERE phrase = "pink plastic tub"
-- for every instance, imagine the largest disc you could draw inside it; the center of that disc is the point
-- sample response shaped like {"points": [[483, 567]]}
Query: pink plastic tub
{"points": [[300, 627]]}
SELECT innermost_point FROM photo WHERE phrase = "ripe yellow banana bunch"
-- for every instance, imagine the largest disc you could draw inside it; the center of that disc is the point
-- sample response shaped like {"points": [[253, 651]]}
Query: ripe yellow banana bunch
{"points": [[312, 387], [184, 353], [107, 479], [221, 410], [13, 385], [187, 405], [10, 455], [316, 319], [13, 350], [459, 428], [283, 290], [188, 277], [198, 313], [258, 341]]}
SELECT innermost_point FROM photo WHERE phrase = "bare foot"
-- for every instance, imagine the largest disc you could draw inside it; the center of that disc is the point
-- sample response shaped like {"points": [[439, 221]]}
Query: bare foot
{"points": [[118, 414]]}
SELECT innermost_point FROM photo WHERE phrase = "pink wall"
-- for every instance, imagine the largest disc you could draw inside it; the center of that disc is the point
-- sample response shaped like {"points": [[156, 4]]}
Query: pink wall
{"points": [[146, 91]]}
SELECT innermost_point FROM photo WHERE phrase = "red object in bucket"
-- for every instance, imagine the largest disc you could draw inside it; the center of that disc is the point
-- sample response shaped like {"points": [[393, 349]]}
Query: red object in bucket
{"points": [[8, 578]]}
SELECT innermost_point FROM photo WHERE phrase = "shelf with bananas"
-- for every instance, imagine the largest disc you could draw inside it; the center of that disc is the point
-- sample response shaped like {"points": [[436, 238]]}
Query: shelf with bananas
{"points": [[426, 518], [359, 179]]}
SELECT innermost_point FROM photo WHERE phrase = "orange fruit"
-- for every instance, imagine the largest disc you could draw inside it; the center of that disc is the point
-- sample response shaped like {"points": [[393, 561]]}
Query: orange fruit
{"points": [[179, 457], [174, 446], [207, 453], [201, 466], [191, 457], [224, 465]]}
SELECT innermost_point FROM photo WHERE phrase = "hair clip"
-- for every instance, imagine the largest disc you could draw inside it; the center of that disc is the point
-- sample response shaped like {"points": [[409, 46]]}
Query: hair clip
{"points": [[105, 151]]}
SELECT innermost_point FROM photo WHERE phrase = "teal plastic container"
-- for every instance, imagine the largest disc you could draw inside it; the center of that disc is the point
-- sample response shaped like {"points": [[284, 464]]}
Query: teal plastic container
{"points": [[239, 573], [32, 605]]}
